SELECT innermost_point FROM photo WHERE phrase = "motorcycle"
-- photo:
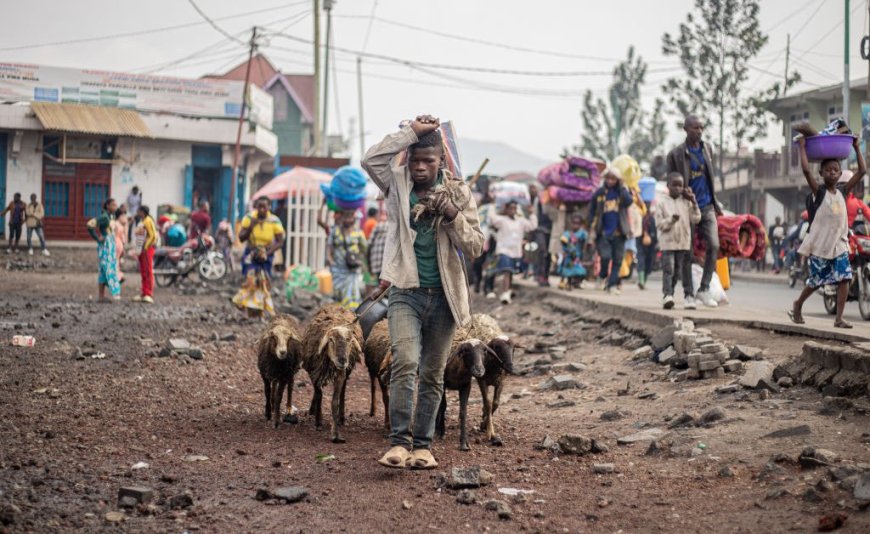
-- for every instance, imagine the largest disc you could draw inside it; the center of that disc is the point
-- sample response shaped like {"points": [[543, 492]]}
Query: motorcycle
{"points": [[198, 254], [798, 270], [859, 287]]}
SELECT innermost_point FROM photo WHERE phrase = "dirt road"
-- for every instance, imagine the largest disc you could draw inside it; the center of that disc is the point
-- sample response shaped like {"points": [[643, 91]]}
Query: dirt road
{"points": [[74, 426]]}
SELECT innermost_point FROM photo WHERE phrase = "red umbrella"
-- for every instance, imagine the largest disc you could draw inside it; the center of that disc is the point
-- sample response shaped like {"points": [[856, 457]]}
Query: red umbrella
{"points": [[288, 183]]}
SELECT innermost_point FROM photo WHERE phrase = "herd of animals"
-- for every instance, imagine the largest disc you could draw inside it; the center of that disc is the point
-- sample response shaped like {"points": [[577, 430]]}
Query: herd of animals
{"points": [[332, 344]]}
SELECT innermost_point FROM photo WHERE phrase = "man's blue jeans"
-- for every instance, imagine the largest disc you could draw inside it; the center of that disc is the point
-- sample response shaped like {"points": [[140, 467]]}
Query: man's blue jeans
{"points": [[421, 330]]}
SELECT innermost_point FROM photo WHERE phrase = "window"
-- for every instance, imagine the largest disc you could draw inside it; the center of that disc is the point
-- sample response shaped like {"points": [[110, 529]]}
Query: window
{"points": [[835, 112], [280, 97]]}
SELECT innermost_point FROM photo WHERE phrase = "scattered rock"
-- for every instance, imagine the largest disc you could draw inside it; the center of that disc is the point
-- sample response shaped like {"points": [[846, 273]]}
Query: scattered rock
{"points": [[759, 375], [663, 338], [711, 416], [500, 507], [836, 405], [178, 344], [168, 479], [746, 353], [114, 517], [466, 496], [561, 404], [613, 415], [548, 444], [468, 477], [862, 488], [726, 472], [139, 465], [290, 494], [196, 458], [406, 505], [650, 434], [9, 514], [231, 336], [642, 353], [559, 383], [181, 501], [574, 444], [195, 353], [785, 382], [598, 447], [570, 367], [730, 388], [603, 469], [127, 502], [812, 457], [832, 521], [139, 494], [791, 432], [667, 356], [776, 493], [811, 495], [651, 395], [682, 421]]}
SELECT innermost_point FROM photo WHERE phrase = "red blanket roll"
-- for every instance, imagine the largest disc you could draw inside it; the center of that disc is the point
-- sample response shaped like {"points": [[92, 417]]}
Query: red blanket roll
{"points": [[740, 236]]}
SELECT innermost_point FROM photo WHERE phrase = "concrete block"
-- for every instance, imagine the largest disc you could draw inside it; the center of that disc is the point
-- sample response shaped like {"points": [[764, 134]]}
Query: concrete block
{"points": [[708, 365], [732, 366], [693, 373], [715, 373], [703, 340]]}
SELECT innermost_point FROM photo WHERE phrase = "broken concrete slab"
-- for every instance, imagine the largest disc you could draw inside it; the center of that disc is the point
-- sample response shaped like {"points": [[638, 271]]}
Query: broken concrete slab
{"points": [[801, 430], [650, 434], [759, 375], [468, 477], [663, 338], [560, 382]]}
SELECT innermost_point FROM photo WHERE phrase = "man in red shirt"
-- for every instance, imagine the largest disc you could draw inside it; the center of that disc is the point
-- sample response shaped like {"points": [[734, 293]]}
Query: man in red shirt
{"points": [[200, 221]]}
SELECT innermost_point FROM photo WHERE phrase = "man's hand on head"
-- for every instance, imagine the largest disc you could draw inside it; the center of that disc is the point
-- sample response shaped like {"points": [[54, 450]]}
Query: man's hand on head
{"points": [[425, 124]]}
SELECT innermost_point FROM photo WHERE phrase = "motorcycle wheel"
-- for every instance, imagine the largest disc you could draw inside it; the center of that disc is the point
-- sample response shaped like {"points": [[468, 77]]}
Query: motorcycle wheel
{"points": [[213, 267], [163, 280], [864, 293], [830, 303], [792, 278]]}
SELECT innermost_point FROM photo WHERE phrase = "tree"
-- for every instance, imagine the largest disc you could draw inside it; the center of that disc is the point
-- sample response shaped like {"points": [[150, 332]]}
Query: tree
{"points": [[715, 45], [621, 126]]}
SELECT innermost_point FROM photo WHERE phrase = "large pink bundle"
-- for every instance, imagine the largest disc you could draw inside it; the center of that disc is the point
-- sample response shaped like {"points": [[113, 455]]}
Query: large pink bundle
{"points": [[740, 236], [573, 180]]}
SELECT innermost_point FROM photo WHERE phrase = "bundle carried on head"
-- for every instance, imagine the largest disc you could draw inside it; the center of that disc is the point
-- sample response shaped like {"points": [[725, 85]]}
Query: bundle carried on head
{"points": [[347, 190], [570, 181]]}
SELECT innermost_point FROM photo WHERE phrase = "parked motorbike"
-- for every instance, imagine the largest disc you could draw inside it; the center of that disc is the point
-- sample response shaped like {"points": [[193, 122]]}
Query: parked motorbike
{"points": [[859, 287], [198, 254], [798, 270]]}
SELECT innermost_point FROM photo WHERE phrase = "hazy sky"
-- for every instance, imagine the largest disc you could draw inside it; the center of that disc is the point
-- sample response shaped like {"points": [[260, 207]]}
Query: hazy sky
{"points": [[536, 114]]}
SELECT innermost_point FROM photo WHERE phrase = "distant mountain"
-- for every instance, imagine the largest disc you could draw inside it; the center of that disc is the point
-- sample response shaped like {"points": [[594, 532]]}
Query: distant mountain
{"points": [[503, 158]]}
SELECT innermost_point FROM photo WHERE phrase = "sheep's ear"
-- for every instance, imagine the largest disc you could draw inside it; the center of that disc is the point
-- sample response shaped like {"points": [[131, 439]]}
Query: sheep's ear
{"points": [[356, 346], [323, 343]]}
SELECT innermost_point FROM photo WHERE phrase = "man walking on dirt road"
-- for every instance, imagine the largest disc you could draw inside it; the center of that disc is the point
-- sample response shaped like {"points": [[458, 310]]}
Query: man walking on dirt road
{"points": [[431, 217], [694, 160]]}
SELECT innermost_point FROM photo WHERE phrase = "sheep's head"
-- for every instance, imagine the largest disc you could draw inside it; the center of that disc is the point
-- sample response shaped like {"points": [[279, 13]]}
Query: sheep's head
{"points": [[339, 342], [503, 348], [472, 354], [284, 342]]}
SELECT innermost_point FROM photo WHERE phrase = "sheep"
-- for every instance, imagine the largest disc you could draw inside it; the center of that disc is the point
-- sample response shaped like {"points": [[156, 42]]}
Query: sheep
{"points": [[378, 355], [332, 347], [279, 355], [465, 363], [498, 363]]}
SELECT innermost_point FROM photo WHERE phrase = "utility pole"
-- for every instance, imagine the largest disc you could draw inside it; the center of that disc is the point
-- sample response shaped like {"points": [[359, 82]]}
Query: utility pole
{"points": [[327, 6], [787, 52], [359, 92], [846, 65], [317, 126], [238, 148]]}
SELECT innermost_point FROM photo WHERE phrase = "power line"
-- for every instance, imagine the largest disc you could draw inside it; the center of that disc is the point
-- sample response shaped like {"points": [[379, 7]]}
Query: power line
{"points": [[369, 27], [465, 68], [467, 39], [145, 32], [198, 53], [214, 25], [793, 13]]}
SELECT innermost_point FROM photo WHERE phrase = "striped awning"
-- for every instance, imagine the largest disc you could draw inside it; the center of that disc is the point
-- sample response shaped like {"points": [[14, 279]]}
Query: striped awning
{"points": [[90, 120]]}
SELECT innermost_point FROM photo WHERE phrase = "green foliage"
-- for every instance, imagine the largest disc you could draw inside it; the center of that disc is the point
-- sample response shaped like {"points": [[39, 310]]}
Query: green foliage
{"points": [[715, 45], [620, 125]]}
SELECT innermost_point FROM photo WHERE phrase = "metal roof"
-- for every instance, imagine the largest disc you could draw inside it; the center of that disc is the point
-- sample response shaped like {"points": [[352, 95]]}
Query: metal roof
{"points": [[92, 120]]}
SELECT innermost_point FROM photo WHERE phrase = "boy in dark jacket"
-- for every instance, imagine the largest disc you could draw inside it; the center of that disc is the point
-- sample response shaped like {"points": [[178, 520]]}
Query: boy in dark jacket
{"points": [[609, 228]]}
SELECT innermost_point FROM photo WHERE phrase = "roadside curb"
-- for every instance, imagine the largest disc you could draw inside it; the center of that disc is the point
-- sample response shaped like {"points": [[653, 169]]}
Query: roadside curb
{"points": [[626, 312]]}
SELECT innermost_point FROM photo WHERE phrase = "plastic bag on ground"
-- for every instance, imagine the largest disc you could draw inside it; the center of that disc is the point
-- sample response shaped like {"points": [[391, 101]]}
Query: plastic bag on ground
{"points": [[716, 290]]}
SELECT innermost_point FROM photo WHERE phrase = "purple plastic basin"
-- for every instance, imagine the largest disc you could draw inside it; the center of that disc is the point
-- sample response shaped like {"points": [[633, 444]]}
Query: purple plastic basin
{"points": [[836, 146]]}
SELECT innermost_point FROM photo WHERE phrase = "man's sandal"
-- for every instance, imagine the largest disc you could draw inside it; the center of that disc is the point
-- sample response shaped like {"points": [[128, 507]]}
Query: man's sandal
{"points": [[397, 458], [842, 324], [422, 459], [796, 318]]}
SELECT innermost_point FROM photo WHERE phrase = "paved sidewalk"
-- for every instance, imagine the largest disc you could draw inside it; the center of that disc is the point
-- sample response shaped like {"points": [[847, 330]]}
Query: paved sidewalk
{"points": [[634, 304]]}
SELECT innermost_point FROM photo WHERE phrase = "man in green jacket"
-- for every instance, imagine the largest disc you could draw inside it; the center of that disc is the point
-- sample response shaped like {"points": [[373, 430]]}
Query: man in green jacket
{"points": [[423, 262]]}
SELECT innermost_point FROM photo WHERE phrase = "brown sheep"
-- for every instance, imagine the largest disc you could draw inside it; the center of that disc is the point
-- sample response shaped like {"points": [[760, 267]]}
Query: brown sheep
{"points": [[333, 346], [498, 364], [279, 355], [465, 363], [378, 352]]}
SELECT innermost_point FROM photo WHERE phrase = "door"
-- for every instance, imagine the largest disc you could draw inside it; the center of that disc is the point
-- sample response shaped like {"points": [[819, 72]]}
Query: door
{"points": [[73, 193], [3, 147]]}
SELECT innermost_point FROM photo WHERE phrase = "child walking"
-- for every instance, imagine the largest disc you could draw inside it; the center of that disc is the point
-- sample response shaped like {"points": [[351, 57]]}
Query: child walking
{"points": [[827, 242], [509, 231], [145, 241], [573, 242], [608, 212], [675, 216]]}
